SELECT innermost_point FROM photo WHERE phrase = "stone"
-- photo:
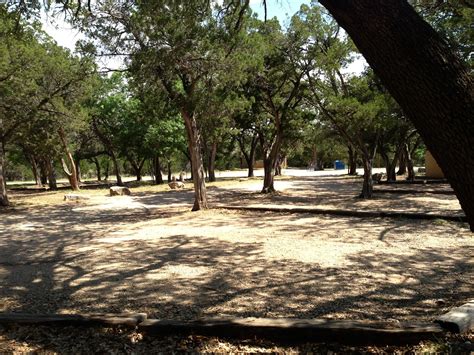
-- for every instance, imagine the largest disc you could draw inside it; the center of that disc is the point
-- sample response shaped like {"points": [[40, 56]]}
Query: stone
{"points": [[459, 319], [119, 191], [75, 197], [176, 185], [377, 177]]}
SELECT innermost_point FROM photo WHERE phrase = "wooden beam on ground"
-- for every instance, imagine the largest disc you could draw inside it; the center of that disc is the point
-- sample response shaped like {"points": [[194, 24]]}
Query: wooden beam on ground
{"points": [[125, 319], [347, 213], [285, 330], [412, 191], [459, 319]]}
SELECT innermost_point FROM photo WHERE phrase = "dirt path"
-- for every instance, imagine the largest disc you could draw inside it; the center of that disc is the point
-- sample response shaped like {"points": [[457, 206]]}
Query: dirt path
{"points": [[138, 254]]}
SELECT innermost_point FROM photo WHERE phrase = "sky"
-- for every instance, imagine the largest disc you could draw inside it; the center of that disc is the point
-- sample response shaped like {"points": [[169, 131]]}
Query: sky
{"points": [[67, 37]]}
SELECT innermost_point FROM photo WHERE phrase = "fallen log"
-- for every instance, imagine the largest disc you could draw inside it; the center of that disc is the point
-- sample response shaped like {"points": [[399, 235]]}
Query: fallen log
{"points": [[286, 330], [125, 319], [459, 319], [347, 213], [412, 191]]}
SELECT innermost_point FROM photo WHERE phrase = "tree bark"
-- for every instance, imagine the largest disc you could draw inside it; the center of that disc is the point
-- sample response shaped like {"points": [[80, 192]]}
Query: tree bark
{"points": [[249, 157], [43, 168], [212, 162], [106, 170], [269, 164], [77, 161], [157, 170], [352, 161], [428, 80], [71, 174], [269, 173], [52, 183], [137, 167], [116, 168], [3, 185], [97, 168], [197, 168], [409, 163], [35, 170], [368, 185], [169, 170], [389, 166], [402, 163]]}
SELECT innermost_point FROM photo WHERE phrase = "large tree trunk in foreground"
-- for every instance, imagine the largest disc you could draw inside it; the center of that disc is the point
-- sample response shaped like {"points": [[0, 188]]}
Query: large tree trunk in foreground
{"points": [[431, 84], [3, 185], [72, 173], [197, 168]]}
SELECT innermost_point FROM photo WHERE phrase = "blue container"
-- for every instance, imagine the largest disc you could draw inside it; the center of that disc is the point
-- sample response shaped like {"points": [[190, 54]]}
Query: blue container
{"points": [[339, 165]]}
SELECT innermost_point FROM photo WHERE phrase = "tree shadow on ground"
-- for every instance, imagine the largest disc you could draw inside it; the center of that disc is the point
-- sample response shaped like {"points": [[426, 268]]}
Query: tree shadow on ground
{"points": [[182, 265]]}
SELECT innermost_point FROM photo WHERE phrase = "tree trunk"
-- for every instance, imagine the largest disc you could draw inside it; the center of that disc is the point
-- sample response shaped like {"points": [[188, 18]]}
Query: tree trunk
{"points": [[71, 174], [389, 166], [97, 168], [402, 163], [53, 185], [106, 170], [77, 161], [352, 161], [368, 185], [197, 169], [169, 170], [428, 80], [212, 163], [251, 162], [278, 166], [117, 169], [409, 163], [157, 170], [270, 163], [35, 171], [43, 168], [137, 167], [268, 169], [3, 185], [250, 157]]}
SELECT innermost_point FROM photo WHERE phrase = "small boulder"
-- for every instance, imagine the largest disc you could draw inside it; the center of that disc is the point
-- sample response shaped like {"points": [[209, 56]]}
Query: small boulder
{"points": [[176, 185], [377, 177], [119, 191], [75, 197]]}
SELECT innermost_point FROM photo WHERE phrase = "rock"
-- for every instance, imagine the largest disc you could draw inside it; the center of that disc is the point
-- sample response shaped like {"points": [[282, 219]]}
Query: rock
{"points": [[119, 191], [75, 197], [175, 185], [377, 177], [440, 302], [459, 319]]}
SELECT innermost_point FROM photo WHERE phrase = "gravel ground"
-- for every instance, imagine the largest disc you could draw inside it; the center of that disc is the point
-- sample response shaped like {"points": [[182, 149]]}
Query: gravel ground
{"points": [[137, 254]]}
